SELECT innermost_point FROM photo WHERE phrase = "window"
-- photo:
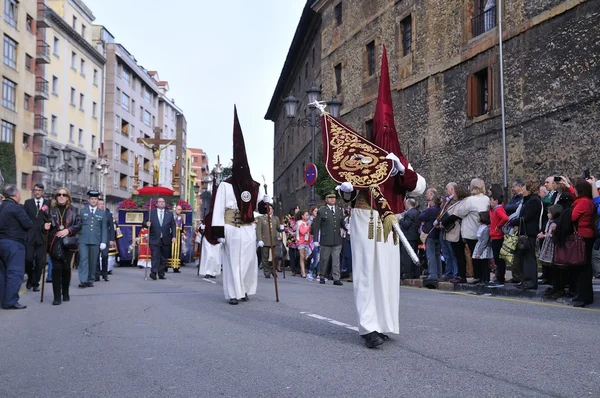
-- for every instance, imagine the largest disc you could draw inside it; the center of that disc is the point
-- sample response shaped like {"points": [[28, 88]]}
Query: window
{"points": [[27, 103], [147, 118], [10, 12], [126, 76], [8, 93], [24, 181], [8, 132], [133, 107], [10, 52], [26, 138], [82, 67], [80, 137], [72, 96], [147, 95], [406, 30], [81, 101], [96, 77], [485, 17], [338, 13], [93, 142], [371, 58], [71, 133], [56, 46], [74, 25], [73, 59], [29, 23], [125, 101], [54, 85], [83, 30], [28, 63], [125, 128], [479, 93], [369, 129], [338, 78], [94, 108], [53, 123]]}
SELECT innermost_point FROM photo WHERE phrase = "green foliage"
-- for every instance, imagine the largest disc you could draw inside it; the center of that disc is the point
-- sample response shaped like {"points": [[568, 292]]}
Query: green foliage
{"points": [[324, 184], [8, 163], [227, 172]]}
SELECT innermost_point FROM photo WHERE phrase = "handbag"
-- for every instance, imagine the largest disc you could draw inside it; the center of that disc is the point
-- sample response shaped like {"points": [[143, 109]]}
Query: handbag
{"points": [[70, 242], [523, 243], [572, 253], [509, 246], [56, 249]]}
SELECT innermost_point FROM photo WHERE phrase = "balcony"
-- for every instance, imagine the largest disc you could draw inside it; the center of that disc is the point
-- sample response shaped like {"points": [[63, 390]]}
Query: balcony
{"points": [[43, 16], [40, 125], [484, 22], [42, 52], [41, 89]]}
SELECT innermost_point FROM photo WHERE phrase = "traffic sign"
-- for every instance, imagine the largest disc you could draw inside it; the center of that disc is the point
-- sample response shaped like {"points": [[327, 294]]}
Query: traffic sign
{"points": [[310, 174]]}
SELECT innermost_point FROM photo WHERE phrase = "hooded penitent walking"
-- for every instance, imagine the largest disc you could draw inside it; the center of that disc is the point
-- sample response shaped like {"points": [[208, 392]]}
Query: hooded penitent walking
{"points": [[376, 189], [211, 255], [233, 223]]}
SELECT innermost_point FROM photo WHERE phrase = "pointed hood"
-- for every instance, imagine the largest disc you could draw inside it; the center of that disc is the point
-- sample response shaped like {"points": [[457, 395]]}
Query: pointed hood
{"points": [[385, 136], [241, 180]]}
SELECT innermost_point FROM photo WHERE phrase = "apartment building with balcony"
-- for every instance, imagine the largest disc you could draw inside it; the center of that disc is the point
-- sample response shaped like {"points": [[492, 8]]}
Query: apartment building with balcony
{"points": [[69, 97], [130, 113], [19, 61]]}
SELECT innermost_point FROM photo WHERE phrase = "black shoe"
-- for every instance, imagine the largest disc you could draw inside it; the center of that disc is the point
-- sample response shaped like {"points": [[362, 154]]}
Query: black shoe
{"points": [[338, 283], [245, 298], [105, 279], [268, 276], [176, 271], [109, 272], [66, 298], [152, 276], [97, 279], [372, 340], [384, 337], [90, 284], [83, 285], [56, 302], [36, 288], [233, 301], [48, 280], [322, 281], [207, 276], [29, 285], [580, 304], [16, 307], [162, 277], [213, 277], [550, 292]]}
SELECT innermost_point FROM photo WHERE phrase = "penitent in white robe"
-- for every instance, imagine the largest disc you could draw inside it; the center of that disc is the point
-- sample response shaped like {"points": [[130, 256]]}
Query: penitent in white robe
{"points": [[211, 259], [240, 264], [376, 273]]}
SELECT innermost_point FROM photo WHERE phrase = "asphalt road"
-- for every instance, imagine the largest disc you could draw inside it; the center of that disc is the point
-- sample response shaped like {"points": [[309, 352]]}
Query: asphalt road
{"points": [[179, 338]]}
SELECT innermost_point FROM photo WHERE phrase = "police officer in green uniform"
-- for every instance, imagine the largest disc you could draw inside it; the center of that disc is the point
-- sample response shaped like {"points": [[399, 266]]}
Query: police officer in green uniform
{"points": [[92, 238], [326, 228]]}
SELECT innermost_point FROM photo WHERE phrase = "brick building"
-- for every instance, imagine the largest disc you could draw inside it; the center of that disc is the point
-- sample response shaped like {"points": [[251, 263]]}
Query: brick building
{"points": [[444, 68]]}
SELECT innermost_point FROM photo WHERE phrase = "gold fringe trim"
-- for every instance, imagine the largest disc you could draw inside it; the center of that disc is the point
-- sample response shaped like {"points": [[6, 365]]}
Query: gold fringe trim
{"points": [[388, 226], [379, 228], [371, 232]]}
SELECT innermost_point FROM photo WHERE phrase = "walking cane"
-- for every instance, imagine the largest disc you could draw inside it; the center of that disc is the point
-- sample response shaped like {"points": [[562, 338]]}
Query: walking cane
{"points": [[282, 245], [44, 270], [272, 247], [148, 243]]}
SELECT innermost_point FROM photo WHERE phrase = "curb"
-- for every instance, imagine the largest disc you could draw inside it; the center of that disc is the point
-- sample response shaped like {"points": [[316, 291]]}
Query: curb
{"points": [[508, 290]]}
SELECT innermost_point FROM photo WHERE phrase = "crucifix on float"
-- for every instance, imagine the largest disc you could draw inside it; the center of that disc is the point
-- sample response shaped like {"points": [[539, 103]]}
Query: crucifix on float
{"points": [[155, 146]]}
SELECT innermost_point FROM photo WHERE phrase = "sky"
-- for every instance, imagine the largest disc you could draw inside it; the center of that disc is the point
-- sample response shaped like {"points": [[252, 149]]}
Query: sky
{"points": [[214, 54]]}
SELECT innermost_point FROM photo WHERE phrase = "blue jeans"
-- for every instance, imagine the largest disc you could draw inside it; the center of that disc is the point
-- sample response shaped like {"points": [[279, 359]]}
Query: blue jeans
{"points": [[12, 271], [450, 259], [434, 262], [49, 268], [314, 265]]}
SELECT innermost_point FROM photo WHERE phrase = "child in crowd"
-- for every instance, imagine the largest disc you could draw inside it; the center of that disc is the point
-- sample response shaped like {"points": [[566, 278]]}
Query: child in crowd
{"points": [[483, 248]]}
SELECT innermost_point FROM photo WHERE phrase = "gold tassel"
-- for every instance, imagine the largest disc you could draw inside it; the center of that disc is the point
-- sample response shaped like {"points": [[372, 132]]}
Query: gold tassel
{"points": [[371, 231], [388, 226], [379, 229]]}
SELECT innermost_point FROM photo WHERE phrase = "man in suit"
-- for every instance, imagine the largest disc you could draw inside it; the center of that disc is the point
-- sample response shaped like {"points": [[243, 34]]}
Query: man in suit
{"points": [[37, 209], [102, 268], [92, 239], [162, 234], [409, 224], [327, 227], [265, 243]]}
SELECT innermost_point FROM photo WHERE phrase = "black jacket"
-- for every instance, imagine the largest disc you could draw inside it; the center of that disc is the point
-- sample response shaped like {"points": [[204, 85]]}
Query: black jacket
{"points": [[160, 234], [14, 221], [410, 224], [528, 220], [513, 204], [70, 219], [37, 234], [110, 226]]}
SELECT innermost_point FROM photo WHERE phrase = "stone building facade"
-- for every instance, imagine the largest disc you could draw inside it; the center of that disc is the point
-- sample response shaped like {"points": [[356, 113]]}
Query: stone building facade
{"points": [[445, 72], [292, 143]]}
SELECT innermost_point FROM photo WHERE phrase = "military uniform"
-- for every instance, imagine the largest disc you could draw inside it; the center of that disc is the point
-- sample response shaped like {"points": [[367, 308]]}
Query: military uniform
{"points": [[93, 235], [327, 228], [262, 235]]}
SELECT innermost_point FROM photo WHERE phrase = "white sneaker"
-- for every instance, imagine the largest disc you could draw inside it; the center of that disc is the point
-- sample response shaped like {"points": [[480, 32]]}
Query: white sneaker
{"points": [[310, 277]]}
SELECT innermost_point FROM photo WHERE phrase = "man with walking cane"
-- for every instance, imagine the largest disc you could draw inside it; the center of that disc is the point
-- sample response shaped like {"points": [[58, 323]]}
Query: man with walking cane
{"points": [[37, 210]]}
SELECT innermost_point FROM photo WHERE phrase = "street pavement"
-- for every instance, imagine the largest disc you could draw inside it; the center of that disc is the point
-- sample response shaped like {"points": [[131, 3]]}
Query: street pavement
{"points": [[180, 338]]}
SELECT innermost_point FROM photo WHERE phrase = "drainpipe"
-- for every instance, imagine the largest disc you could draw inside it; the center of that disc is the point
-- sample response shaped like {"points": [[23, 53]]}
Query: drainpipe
{"points": [[504, 155]]}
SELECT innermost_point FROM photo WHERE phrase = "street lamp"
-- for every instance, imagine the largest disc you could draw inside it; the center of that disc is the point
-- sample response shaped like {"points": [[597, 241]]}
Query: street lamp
{"points": [[66, 166], [334, 107]]}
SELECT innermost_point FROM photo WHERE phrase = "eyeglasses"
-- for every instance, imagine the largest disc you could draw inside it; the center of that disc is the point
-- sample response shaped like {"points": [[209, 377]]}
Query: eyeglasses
{"points": [[62, 194]]}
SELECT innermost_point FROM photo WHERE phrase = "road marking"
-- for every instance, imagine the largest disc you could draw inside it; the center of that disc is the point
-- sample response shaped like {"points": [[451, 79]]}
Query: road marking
{"points": [[515, 300], [332, 321]]}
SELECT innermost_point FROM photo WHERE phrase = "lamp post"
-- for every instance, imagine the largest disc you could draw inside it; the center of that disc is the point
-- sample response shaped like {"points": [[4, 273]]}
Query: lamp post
{"points": [[197, 200], [291, 107], [66, 167]]}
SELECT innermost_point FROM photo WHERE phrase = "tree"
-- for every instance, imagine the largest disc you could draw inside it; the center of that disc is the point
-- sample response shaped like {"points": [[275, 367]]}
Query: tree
{"points": [[227, 172], [324, 184]]}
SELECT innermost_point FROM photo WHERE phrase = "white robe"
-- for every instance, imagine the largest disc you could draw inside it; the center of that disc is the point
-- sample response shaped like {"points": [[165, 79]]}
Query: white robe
{"points": [[240, 263], [211, 259], [376, 273]]}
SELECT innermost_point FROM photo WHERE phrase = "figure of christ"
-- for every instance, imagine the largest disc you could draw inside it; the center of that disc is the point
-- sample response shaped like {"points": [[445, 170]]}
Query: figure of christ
{"points": [[156, 150]]}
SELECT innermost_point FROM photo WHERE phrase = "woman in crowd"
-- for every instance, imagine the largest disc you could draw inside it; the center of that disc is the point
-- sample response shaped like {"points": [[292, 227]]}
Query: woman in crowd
{"points": [[432, 243], [303, 239], [290, 231], [452, 225], [314, 262], [446, 236], [64, 222]]}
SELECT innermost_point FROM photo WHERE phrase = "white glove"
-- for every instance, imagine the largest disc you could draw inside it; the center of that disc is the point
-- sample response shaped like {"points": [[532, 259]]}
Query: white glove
{"points": [[281, 227], [435, 223], [102, 246], [317, 244], [267, 199], [221, 240], [346, 187], [397, 165], [261, 243], [202, 226]]}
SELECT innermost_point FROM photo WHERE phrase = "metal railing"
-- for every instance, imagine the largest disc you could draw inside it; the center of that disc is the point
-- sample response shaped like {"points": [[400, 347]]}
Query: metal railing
{"points": [[40, 160], [484, 22], [43, 49], [41, 85]]}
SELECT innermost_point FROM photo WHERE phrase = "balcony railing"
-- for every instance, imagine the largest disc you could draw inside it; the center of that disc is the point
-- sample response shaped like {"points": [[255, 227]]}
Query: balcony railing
{"points": [[484, 21], [40, 123], [43, 13], [41, 86], [40, 160], [42, 50]]}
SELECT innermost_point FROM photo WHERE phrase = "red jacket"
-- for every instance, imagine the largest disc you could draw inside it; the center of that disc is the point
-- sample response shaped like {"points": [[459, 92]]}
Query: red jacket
{"points": [[583, 216], [498, 218]]}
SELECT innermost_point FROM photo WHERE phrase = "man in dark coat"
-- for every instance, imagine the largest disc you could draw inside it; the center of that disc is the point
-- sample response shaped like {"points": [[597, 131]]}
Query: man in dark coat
{"points": [[37, 209], [102, 268], [162, 234], [14, 226]]}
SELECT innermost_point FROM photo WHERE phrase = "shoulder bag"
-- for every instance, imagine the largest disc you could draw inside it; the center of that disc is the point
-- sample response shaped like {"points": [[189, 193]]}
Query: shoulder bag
{"points": [[572, 253]]}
